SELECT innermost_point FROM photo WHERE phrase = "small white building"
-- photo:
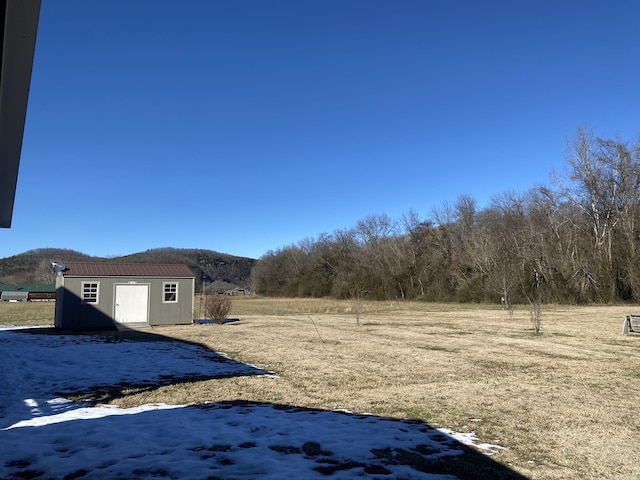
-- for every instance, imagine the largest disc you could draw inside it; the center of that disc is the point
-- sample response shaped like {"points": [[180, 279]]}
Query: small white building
{"points": [[99, 295], [13, 296]]}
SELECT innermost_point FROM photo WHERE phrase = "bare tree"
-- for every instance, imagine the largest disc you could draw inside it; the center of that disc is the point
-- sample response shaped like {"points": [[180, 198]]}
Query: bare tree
{"points": [[594, 193], [605, 176], [417, 246], [502, 227], [535, 301], [356, 305], [44, 271]]}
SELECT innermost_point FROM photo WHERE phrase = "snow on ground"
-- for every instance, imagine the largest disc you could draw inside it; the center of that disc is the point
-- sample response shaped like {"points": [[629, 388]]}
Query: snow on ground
{"points": [[44, 435]]}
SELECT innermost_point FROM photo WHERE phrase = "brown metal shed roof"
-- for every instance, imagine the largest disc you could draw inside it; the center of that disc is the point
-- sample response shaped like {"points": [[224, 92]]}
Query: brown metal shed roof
{"points": [[96, 269]]}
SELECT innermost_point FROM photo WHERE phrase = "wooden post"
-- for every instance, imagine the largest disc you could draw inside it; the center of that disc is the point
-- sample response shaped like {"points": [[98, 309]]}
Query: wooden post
{"points": [[626, 325]]}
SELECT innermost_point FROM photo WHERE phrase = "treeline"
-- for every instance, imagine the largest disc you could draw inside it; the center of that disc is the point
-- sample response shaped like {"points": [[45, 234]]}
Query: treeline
{"points": [[576, 241]]}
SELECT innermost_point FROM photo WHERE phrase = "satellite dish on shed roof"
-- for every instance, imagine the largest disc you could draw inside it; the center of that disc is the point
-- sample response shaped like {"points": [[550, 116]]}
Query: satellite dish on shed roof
{"points": [[58, 267]]}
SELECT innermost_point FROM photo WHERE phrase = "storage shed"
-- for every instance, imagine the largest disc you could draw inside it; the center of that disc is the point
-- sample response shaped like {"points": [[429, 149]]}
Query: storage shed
{"points": [[94, 296], [14, 296]]}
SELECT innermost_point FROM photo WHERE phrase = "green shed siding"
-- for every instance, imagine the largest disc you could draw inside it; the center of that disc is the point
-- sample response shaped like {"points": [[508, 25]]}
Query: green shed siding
{"points": [[74, 312]]}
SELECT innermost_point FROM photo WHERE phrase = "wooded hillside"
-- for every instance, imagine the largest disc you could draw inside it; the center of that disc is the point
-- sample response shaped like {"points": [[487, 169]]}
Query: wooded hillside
{"points": [[221, 271]]}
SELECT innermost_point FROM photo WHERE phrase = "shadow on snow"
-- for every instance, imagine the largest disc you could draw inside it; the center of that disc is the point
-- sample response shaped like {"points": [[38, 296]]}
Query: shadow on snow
{"points": [[232, 440]]}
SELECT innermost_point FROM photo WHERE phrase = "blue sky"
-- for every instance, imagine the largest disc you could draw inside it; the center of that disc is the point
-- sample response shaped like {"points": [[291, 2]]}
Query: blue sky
{"points": [[246, 125]]}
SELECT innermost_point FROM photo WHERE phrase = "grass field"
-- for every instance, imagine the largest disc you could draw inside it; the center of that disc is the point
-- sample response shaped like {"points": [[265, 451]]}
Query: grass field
{"points": [[564, 403]]}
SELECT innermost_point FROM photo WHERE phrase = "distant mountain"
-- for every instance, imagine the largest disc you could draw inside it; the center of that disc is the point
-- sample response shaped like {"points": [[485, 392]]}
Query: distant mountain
{"points": [[221, 271], [34, 266]]}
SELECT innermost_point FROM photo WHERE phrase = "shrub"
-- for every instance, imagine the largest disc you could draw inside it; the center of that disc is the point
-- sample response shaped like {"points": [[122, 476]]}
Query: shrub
{"points": [[218, 307]]}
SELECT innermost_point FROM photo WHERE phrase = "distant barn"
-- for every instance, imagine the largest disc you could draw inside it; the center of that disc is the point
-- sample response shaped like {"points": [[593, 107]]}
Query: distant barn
{"points": [[97, 295]]}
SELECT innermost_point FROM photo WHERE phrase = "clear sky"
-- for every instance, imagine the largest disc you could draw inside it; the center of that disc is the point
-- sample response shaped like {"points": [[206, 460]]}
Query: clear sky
{"points": [[246, 125]]}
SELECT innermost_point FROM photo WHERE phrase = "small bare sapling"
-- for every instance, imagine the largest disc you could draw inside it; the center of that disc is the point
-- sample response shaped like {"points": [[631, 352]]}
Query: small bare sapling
{"points": [[218, 307]]}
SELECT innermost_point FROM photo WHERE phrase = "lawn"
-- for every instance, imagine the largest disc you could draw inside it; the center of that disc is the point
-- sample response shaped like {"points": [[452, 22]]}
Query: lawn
{"points": [[562, 403], [27, 313]]}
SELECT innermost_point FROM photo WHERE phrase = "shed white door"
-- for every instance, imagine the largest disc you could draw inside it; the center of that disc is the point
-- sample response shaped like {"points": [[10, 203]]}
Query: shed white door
{"points": [[132, 303]]}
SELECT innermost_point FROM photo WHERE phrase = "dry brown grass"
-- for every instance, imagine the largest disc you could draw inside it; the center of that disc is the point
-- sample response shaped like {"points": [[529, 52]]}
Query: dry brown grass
{"points": [[564, 403], [27, 313]]}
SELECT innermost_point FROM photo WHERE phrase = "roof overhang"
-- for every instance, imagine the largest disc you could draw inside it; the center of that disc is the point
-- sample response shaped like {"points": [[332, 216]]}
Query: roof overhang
{"points": [[19, 23]]}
